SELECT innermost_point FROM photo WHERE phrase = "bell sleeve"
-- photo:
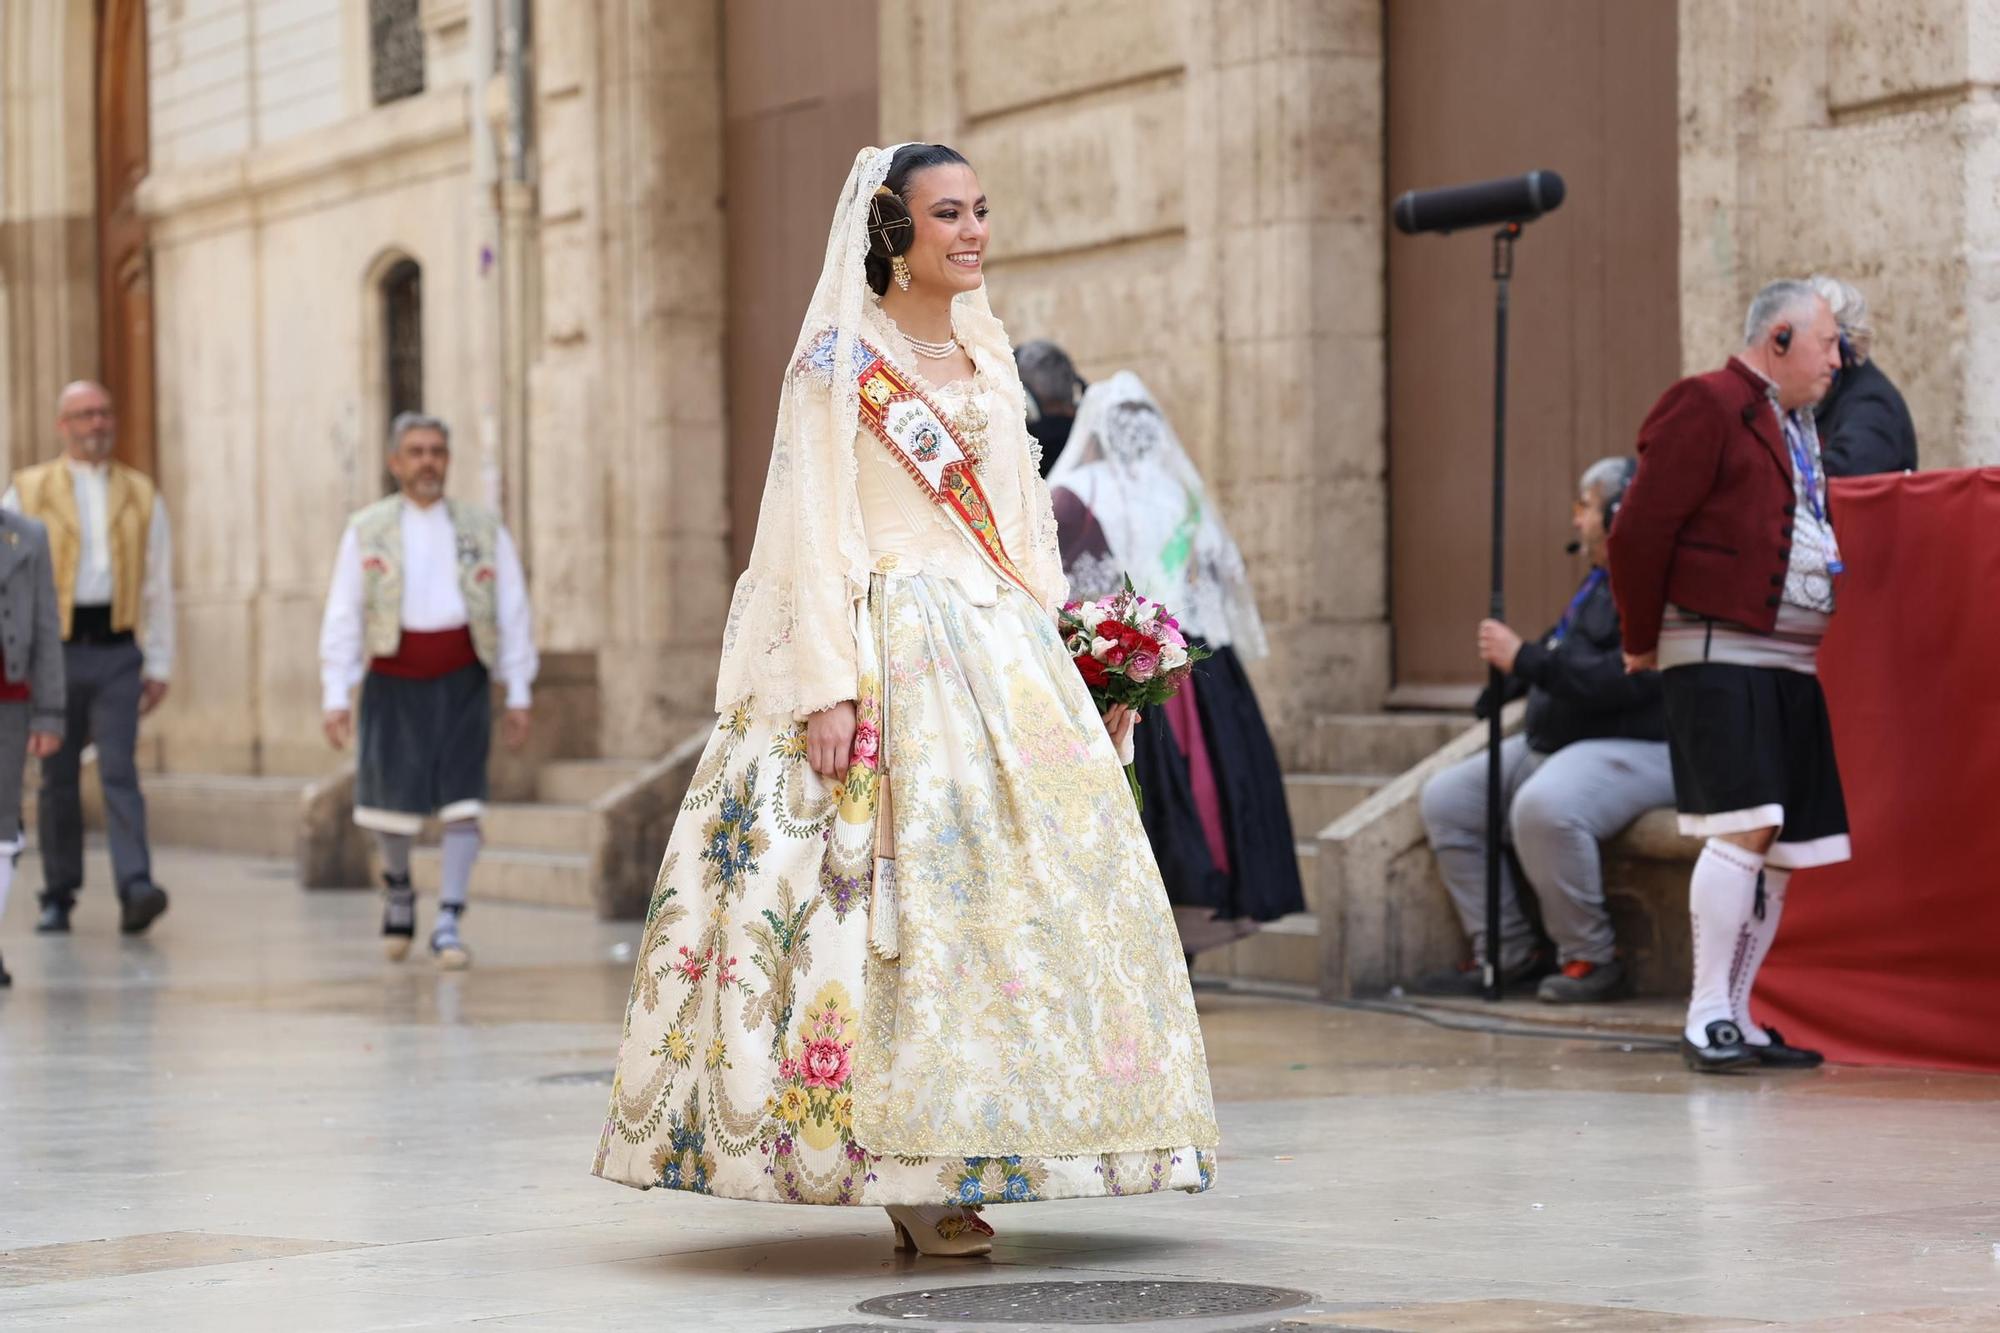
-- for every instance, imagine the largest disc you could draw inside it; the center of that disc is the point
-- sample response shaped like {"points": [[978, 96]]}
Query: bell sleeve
{"points": [[789, 645]]}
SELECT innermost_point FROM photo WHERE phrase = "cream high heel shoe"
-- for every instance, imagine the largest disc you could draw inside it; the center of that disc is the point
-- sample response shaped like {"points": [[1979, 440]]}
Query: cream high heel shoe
{"points": [[950, 1232]]}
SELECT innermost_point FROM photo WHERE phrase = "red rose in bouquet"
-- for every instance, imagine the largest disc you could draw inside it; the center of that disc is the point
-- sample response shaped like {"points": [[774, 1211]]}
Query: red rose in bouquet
{"points": [[1129, 650]]}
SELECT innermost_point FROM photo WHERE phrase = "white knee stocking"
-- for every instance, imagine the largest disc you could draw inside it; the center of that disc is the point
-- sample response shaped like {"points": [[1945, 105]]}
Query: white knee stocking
{"points": [[1763, 929], [1721, 904]]}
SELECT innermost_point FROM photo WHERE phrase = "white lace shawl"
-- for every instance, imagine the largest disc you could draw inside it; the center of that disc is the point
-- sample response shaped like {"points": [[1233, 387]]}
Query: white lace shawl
{"points": [[788, 646]]}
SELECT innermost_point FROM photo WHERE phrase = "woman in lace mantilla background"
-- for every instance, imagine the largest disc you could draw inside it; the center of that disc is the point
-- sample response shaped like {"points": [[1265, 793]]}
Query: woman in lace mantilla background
{"points": [[1128, 501], [969, 992]]}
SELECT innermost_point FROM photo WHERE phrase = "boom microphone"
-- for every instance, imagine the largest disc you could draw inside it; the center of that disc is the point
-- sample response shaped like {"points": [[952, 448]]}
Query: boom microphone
{"points": [[1509, 199]]}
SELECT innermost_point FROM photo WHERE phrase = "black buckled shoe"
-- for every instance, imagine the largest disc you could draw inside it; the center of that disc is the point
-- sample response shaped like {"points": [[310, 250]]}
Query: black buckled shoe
{"points": [[139, 907], [54, 920], [1725, 1050], [1779, 1055]]}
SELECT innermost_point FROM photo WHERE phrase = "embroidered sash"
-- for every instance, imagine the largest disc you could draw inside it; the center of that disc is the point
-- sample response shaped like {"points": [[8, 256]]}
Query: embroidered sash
{"points": [[920, 437]]}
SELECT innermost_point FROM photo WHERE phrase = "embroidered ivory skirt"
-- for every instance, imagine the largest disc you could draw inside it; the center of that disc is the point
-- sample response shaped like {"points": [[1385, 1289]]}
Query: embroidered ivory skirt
{"points": [[1002, 1017]]}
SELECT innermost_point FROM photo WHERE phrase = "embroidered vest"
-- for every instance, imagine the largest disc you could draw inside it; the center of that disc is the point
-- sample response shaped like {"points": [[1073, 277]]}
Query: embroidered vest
{"points": [[47, 493], [378, 530]]}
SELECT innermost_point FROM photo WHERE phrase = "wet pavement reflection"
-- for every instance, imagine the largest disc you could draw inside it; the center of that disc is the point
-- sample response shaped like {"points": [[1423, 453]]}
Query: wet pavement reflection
{"points": [[249, 1120]]}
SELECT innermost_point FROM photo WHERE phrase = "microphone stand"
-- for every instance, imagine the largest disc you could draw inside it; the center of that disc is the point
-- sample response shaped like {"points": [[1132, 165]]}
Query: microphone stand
{"points": [[1503, 272]]}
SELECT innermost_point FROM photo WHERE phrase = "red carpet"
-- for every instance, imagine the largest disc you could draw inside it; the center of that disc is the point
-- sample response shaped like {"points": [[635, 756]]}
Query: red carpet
{"points": [[1894, 958]]}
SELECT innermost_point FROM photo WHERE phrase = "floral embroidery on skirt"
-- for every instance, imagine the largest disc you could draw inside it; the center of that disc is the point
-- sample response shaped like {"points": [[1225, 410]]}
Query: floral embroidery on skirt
{"points": [[1032, 1038]]}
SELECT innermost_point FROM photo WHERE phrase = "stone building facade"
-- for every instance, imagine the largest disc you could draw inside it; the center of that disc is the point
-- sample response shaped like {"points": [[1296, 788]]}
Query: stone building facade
{"points": [[1192, 188]]}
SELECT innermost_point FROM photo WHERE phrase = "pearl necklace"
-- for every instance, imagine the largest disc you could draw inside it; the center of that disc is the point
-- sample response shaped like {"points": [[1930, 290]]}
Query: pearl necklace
{"points": [[934, 351]]}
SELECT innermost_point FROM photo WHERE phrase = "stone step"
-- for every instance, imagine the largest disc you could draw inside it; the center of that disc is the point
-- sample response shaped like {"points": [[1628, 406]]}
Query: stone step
{"points": [[249, 816], [1285, 950], [538, 827], [510, 875], [1390, 743], [1317, 799], [581, 781]]}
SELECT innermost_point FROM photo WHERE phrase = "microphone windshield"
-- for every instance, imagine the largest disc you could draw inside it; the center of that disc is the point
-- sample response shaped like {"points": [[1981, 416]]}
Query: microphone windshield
{"points": [[1483, 203]]}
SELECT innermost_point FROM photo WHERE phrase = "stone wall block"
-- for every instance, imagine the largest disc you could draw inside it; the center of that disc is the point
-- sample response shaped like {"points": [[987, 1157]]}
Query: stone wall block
{"points": [[1972, 437], [1107, 172], [1344, 264], [287, 666], [1055, 48], [1241, 175], [1107, 306], [567, 499], [569, 292], [1251, 30], [565, 54], [1269, 280], [207, 725], [1884, 49], [566, 130], [1786, 66], [1320, 668]]}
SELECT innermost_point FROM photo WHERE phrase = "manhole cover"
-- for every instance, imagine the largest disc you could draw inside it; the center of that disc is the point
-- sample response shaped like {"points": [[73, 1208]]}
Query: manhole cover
{"points": [[580, 1076], [1083, 1302]]}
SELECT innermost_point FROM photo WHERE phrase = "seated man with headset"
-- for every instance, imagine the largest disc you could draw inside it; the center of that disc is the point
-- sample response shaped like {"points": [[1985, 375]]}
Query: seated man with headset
{"points": [[1592, 758]]}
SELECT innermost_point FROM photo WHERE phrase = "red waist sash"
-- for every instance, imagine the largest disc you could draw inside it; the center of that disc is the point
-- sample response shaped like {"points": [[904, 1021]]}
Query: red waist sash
{"points": [[428, 654]]}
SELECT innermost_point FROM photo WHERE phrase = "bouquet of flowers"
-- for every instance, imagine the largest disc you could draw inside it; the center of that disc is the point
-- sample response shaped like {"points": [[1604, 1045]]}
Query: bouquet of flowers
{"points": [[1130, 651]]}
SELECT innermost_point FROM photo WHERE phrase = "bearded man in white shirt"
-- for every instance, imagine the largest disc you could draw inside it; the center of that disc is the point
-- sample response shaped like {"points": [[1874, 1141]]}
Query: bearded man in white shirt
{"points": [[112, 557], [428, 606]]}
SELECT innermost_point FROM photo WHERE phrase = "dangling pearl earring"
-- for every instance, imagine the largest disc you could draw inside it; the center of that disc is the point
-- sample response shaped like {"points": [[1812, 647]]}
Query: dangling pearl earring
{"points": [[899, 268]]}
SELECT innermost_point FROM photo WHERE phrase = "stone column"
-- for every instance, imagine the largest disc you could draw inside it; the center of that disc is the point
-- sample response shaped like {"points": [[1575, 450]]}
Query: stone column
{"points": [[48, 217], [628, 516], [1193, 190], [1861, 138], [1292, 224]]}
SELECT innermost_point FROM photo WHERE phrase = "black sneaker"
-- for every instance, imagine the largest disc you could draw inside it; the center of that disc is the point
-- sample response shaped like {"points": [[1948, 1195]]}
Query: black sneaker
{"points": [[1725, 1050], [1580, 982], [55, 914], [399, 917], [1468, 979], [1779, 1055], [140, 906]]}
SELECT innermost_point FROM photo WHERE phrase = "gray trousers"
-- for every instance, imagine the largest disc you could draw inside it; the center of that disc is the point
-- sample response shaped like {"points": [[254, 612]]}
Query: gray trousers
{"points": [[104, 685], [1559, 808]]}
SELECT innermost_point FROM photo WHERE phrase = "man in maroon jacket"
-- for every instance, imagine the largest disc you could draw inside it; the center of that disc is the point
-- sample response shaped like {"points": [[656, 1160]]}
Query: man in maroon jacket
{"points": [[1723, 565]]}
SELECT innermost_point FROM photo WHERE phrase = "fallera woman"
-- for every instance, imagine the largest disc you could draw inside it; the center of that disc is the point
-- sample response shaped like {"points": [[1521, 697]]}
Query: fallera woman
{"points": [[908, 946]]}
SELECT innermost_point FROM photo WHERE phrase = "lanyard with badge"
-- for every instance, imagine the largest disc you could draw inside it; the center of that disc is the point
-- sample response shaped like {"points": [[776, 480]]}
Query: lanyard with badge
{"points": [[1814, 487]]}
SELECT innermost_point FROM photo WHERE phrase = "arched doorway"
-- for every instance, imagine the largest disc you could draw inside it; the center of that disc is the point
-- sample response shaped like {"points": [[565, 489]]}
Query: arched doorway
{"points": [[392, 372]]}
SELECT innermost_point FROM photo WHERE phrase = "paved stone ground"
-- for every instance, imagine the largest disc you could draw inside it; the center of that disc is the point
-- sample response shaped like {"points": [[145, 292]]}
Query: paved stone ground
{"points": [[248, 1120]]}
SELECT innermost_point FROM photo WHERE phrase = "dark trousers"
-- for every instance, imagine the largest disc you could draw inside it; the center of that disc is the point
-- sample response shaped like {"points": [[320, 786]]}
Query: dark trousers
{"points": [[104, 685]]}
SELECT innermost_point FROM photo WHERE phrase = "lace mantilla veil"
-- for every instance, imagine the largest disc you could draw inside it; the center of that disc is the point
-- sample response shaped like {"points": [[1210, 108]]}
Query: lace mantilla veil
{"points": [[788, 646], [1126, 464]]}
